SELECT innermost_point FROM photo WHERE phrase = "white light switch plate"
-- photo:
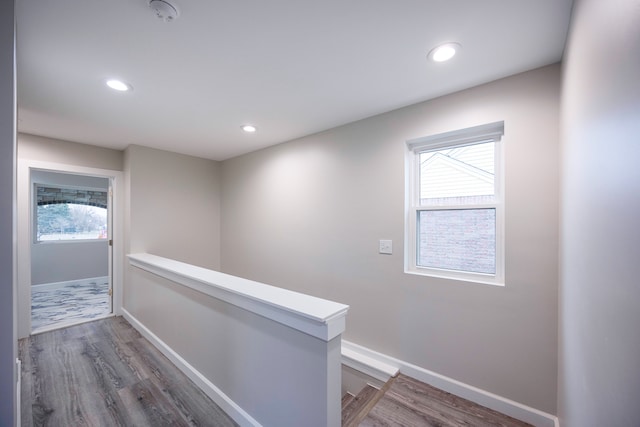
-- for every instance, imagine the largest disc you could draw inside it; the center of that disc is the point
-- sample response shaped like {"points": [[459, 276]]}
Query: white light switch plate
{"points": [[386, 247]]}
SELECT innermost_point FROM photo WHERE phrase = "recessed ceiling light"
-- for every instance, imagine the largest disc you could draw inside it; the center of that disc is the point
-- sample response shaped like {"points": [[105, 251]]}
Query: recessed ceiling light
{"points": [[444, 52], [249, 128], [119, 85]]}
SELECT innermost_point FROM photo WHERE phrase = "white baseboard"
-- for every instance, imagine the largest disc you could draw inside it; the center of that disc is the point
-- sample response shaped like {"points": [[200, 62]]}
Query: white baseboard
{"points": [[18, 391], [47, 286], [355, 356], [370, 362], [222, 400], [381, 365]]}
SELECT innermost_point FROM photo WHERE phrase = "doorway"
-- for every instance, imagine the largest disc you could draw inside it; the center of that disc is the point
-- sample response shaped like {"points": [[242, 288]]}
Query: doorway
{"points": [[70, 252], [69, 270]]}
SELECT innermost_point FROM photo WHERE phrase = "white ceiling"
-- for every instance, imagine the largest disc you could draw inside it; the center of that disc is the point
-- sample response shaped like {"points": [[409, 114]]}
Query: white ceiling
{"points": [[290, 67]]}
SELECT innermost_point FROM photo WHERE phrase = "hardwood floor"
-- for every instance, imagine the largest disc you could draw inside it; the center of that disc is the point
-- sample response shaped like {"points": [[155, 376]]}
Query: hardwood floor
{"points": [[409, 402], [104, 373], [356, 407]]}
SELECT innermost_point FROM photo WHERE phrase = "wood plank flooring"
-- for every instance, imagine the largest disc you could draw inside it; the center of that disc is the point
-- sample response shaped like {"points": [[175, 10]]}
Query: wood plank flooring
{"points": [[354, 409], [104, 373], [409, 402]]}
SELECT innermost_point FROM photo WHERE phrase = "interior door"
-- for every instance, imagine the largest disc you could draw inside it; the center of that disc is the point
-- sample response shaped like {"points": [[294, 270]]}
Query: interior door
{"points": [[110, 244]]}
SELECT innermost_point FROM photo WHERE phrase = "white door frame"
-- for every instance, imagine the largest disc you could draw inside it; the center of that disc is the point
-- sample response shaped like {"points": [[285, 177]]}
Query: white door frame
{"points": [[24, 198]]}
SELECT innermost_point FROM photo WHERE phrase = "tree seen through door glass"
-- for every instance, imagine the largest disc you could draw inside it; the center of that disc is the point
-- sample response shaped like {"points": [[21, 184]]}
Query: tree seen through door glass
{"points": [[69, 221]]}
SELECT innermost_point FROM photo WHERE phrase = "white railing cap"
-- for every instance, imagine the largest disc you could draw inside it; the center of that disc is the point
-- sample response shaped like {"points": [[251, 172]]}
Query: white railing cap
{"points": [[318, 317]]}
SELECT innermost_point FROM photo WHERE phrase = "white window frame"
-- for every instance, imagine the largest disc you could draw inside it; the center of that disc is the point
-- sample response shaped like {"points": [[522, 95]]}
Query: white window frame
{"points": [[492, 132]]}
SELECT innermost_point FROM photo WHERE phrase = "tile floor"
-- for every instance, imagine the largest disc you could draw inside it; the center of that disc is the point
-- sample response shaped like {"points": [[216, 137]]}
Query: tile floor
{"points": [[68, 303]]}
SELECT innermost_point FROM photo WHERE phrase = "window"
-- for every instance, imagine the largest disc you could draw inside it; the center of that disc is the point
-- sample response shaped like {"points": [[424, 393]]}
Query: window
{"points": [[70, 214], [454, 224]]}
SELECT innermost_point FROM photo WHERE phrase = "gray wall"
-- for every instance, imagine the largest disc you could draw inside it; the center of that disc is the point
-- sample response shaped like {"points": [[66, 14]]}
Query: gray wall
{"points": [[280, 376], [8, 340], [65, 261], [599, 381], [70, 180], [307, 215], [174, 206], [174, 212], [70, 153]]}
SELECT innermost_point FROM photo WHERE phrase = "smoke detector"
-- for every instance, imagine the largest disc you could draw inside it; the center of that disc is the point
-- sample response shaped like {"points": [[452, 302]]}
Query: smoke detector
{"points": [[164, 10]]}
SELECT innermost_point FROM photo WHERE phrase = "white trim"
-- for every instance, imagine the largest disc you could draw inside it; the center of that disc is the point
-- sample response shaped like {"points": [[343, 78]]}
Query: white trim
{"points": [[317, 317], [67, 323], [490, 400], [360, 359], [67, 241], [46, 286], [491, 132], [222, 400], [18, 391], [458, 138], [462, 276]]}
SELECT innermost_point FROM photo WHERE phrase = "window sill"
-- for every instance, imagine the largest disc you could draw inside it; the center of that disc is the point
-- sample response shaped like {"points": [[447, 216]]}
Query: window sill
{"points": [[459, 277], [55, 242]]}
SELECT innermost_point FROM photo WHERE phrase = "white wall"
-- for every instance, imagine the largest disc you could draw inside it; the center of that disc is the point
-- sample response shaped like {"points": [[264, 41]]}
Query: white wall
{"points": [[8, 342], [307, 215], [599, 381]]}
